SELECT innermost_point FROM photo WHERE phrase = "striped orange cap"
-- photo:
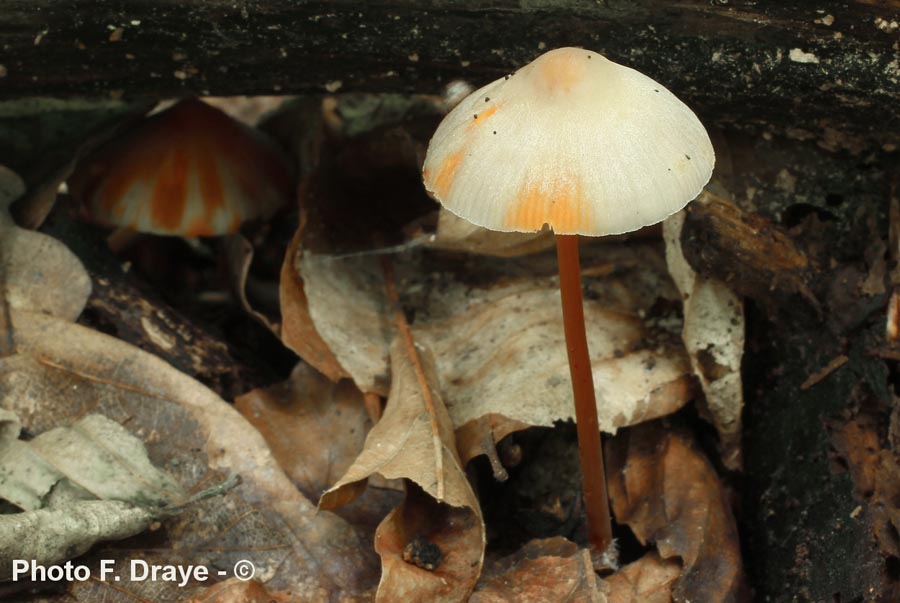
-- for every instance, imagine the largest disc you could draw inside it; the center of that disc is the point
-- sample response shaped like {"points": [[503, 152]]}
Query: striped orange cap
{"points": [[190, 170], [571, 140]]}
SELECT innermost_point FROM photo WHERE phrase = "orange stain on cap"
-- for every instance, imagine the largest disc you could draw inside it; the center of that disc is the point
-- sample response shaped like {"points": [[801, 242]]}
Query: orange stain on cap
{"points": [[559, 202], [190, 169], [170, 192], [442, 181], [562, 70], [211, 189]]}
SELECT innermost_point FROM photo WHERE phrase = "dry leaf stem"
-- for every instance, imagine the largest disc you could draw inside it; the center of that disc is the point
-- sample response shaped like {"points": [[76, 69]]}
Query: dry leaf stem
{"points": [[590, 449], [411, 351]]}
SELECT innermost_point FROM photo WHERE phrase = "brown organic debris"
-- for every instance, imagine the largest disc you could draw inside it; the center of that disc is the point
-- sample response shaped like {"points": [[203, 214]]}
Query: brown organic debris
{"points": [[749, 253], [665, 490], [650, 579], [551, 570], [858, 438], [448, 570], [414, 440]]}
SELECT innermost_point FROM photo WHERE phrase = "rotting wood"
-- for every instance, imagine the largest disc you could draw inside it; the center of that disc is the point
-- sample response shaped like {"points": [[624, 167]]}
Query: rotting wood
{"points": [[748, 252], [809, 70]]}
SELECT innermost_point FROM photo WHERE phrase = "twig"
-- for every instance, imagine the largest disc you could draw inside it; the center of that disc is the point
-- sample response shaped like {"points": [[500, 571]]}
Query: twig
{"points": [[835, 363]]}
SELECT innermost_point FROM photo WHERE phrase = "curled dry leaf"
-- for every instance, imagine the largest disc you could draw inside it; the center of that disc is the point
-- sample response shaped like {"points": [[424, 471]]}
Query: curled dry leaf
{"points": [[39, 272], [414, 440], [664, 489], [714, 337], [498, 342], [650, 579], [429, 551], [239, 255], [64, 371], [551, 570]]}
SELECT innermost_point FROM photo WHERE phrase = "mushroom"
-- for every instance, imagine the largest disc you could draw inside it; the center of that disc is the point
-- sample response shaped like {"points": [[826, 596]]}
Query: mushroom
{"points": [[190, 170], [584, 146]]}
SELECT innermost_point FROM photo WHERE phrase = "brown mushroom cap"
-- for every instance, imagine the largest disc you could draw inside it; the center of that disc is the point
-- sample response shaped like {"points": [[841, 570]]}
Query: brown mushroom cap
{"points": [[571, 140], [190, 170]]}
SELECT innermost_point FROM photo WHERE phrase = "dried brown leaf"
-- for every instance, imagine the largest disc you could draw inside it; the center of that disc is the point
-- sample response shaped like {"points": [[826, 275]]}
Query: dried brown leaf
{"points": [[713, 335], [404, 443], [665, 490], [298, 332], [414, 440], [650, 579], [453, 543], [499, 346], [64, 370], [551, 570], [316, 429]]}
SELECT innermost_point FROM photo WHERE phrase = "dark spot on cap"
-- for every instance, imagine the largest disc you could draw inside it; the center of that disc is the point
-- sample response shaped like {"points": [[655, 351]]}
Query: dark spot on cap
{"points": [[495, 131], [475, 116], [487, 99], [688, 157], [670, 169], [589, 56], [656, 90]]}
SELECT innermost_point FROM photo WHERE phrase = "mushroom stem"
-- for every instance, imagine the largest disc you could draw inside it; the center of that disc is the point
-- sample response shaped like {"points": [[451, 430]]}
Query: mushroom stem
{"points": [[590, 449]]}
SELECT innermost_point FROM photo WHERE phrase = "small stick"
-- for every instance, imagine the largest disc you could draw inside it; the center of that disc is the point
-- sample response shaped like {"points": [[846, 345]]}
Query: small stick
{"points": [[833, 365], [590, 448]]}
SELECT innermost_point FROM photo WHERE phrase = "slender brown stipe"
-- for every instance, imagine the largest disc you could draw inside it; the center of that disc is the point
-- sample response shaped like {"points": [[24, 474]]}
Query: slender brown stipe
{"points": [[589, 446]]}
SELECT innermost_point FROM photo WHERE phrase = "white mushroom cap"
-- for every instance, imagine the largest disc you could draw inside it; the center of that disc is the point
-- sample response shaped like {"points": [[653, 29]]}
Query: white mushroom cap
{"points": [[571, 140]]}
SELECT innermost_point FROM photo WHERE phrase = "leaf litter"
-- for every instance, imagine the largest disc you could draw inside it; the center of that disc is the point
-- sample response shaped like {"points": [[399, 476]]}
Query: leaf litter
{"points": [[667, 492], [62, 372], [492, 323], [414, 440], [456, 284]]}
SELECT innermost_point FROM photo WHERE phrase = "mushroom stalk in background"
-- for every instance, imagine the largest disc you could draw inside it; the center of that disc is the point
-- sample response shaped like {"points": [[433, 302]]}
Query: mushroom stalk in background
{"points": [[585, 146]]}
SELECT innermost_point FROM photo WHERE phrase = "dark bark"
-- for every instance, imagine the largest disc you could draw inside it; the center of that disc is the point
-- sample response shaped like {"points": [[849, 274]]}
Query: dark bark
{"points": [[817, 70]]}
